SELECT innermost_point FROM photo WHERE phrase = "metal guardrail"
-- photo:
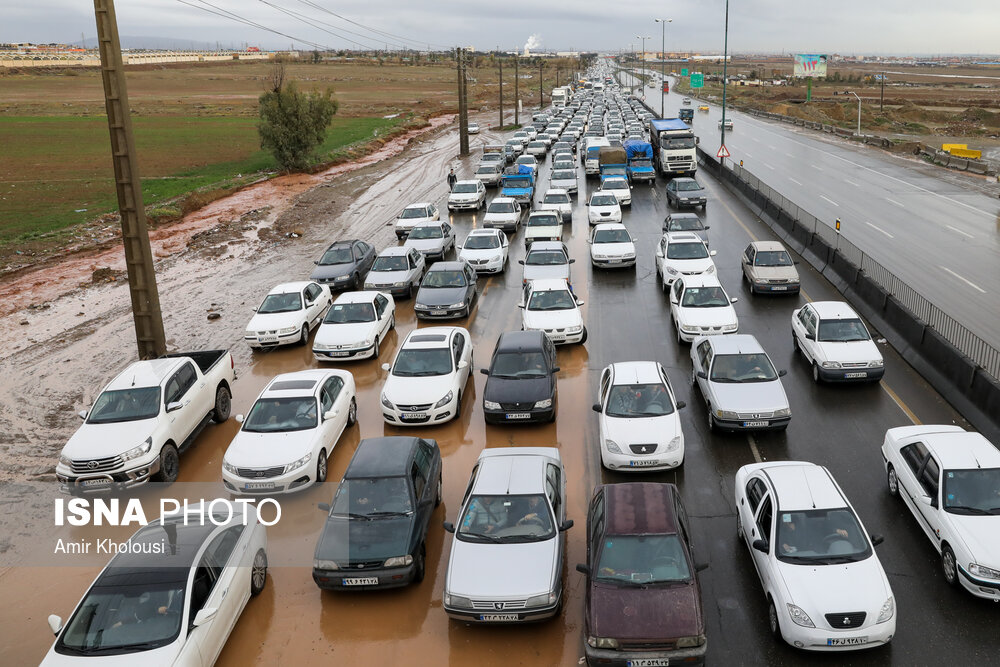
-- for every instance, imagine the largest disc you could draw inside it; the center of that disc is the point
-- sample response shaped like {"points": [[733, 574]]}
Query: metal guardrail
{"points": [[970, 344]]}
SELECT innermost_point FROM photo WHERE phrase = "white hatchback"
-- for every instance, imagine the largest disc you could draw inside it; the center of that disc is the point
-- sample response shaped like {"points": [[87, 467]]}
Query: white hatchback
{"points": [[467, 195], [414, 214], [355, 326], [619, 187], [558, 201], [543, 226]]}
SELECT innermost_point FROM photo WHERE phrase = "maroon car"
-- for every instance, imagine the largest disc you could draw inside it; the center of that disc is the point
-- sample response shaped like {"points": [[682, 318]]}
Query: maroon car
{"points": [[643, 597]]}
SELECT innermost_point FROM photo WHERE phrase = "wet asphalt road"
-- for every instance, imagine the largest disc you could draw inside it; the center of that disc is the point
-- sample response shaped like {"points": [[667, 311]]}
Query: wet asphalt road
{"points": [[627, 318]]}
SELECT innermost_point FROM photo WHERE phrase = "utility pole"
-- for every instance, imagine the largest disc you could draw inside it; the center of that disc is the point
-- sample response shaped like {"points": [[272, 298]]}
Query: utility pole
{"points": [[500, 60], [463, 110], [149, 335], [725, 82], [541, 93], [517, 94], [881, 97], [663, 58]]}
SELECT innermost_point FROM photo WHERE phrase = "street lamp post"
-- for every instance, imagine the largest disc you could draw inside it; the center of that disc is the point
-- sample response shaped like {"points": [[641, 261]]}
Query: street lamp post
{"points": [[725, 80], [643, 41], [663, 58], [859, 110]]}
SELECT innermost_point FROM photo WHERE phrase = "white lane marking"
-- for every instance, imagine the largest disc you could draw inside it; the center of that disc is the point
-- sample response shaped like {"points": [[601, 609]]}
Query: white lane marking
{"points": [[786, 154], [956, 229], [768, 166], [748, 155], [847, 180], [755, 139], [816, 168], [879, 229], [893, 201], [967, 282], [753, 449], [829, 200], [794, 181]]}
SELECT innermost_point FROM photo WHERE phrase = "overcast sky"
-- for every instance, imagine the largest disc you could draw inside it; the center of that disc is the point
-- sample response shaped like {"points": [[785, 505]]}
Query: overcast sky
{"points": [[847, 26]]}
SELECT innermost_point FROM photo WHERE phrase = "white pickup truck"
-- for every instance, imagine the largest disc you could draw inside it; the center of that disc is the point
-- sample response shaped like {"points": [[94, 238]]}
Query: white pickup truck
{"points": [[142, 420]]}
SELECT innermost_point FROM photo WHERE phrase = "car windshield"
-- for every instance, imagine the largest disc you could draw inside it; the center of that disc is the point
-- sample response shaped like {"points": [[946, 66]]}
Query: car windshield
{"points": [[556, 199], [443, 279], [603, 200], [677, 143], [820, 537], [545, 258], [420, 362], [563, 165], [704, 297], [372, 498], [528, 160], [501, 207], [642, 162], [390, 263], [692, 250], [842, 331], [505, 518], [349, 313], [612, 236], [543, 221], [614, 184], [564, 175], [482, 242], [639, 400], [751, 367], [280, 303], [428, 232], [486, 169], [465, 188], [772, 258], [519, 365], [278, 415], [552, 300], [688, 186], [642, 559], [338, 255], [409, 213], [125, 405], [124, 619], [684, 224], [975, 491], [517, 182]]}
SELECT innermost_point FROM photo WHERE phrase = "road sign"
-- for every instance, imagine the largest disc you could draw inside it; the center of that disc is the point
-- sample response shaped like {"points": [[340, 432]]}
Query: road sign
{"points": [[697, 80], [684, 71], [723, 152]]}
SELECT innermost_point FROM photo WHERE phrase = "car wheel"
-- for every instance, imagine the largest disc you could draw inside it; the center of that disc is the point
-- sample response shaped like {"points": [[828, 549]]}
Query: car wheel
{"points": [[711, 419], [420, 564], [223, 404], [772, 619], [356, 282], [413, 290], [948, 566], [440, 492], [304, 335], [258, 573], [739, 527], [170, 464], [795, 342], [458, 405], [584, 338], [677, 329], [352, 413], [816, 377], [321, 467], [892, 481], [375, 351]]}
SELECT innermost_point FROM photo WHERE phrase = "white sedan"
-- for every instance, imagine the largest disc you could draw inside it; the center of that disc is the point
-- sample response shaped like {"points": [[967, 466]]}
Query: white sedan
{"points": [[174, 608], [427, 378], [682, 254], [485, 250], [543, 226], [639, 425], [603, 207], [355, 326], [836, 343], [619, 187], [611, 246], [467, 195], [432, 239], [288, 435], [825, 587], [549, 305], [699, 306], [559, 201], [414, 214], [949, 479], [287, 314]]}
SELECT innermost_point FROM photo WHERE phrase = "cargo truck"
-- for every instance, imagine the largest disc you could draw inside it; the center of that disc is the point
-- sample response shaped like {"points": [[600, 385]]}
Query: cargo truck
{"points": [[518, 183], [612, 161], [673, 147], [639, 156]]}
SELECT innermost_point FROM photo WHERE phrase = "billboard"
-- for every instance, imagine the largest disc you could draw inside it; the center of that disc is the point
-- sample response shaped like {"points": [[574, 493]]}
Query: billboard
{"points": [[809, 65]]}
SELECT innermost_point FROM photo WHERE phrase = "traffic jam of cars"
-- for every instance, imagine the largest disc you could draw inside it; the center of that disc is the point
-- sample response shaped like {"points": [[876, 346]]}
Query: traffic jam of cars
{"points": [[825, 587]]}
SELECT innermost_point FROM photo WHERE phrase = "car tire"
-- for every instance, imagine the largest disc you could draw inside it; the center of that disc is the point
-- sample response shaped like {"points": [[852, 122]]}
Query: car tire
{"points": [[815, 369], [258, 573], [420, 564], [440, 492], [376, 350], [304, 335], [584, 338], [677, 330], [223, 404], [711, 418], [949, 566], [321, 467], [795, 342], [739, 528], [772, 620], [170, 464], [352, 412], [458, 405], [892, 481], [412, 291]]}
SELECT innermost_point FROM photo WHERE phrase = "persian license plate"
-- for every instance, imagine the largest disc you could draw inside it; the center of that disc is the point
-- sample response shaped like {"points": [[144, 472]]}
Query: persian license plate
{"points": [[847, 641], [498, 617], [614, 261], [779, 288], [518, 415], [438, 312], [360, 581], [642, 463], [268, 339], [754, 424], [415, 415], [93, 483], [649, 662], [338, 354], [258, 485], [859, 374]]}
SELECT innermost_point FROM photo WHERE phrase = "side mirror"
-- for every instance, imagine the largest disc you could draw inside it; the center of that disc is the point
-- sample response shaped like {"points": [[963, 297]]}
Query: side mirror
{"points": [[579, 302], [556, 369], [876, 539], [521, 262], [713, 253], [324, 506], [449, 526], [702, 375], [82, 414], [204, 615], [596, 407], [330, 414], [520, 305], [734, 299], [386, 367], [572, 261], [240, 418], [761, 546], [463, 365], [659, 253], [795, 261], [700, 567], [681, 405], [782, 373], [316, 262], [458, 245], [587, 204], [484, 371], [174, 405], [566, 525], [707, 227], [55, 622], [582, 569], [810, 336], [254, 309]]}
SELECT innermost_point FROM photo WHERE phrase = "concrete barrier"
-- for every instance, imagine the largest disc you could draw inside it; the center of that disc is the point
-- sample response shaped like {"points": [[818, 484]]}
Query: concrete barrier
{"points": [[870, 292], [986, 392], [948, 361], [909, 327], [978, 167], [841, 272], [817, 253], [958, 163]]}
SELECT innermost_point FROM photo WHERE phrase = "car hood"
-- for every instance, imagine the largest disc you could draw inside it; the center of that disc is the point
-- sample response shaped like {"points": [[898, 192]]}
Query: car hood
{"points": [[345, 334], [708, 317], [95, 441], [776, 272], [981, 535], [833, 589], [355, 540], [500, 217], [417, 390], [598, 210], [749, 397], [515, 570], [642, 430], [854, 351], [657, 612], [543, 230], [386, 277], [614, 249], [552, 319], [485, 253], [425, 244], [271, 321], [534, 271], [439, 296], [690, 265], [522, 390], [463, 196], [691, 194], [164, 656], [266, 450], [568, 206], [327, 271]]}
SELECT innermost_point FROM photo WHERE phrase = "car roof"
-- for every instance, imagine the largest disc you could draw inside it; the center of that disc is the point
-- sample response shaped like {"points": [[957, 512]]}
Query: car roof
{"points": [[833, 310], [677, 215], [556, 191], [448, 266], [683, 237], [544, 214], [431, 223], [953, 446], [547, 245], [362, 296], [149, 373], [485, 232], [502, 200], [635, 372], [735, 344], [610, 225], [342, 242], [684, 179], [429, 337], [394, 250], [640, 508], [287, 288], [767, 245], [473, 181], [801, 485], [514, 470], [521, 341], [387, 456], [549, 284], [701, 280], [299, 383], [423, 204]]}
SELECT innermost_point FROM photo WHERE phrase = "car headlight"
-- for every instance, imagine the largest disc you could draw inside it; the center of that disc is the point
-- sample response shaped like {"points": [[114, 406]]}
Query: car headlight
{"points": [[325, 565], [322, 346], [444, 401], [612, 446], [877, 363], [574, 330], [401, 283], [65, 460], [889, 608], [460, 304], [341, 279], [799, 617], [545, 403], [457, 601], [387, 403], [295, 465], [762, 281], [229, 467], [690, 642], [983, 571], [287, 330], [687, 329], [369, 341], [731, 327], [674, 443], [783, 412], [250, 333], [726, 414], [830, 364], [542, 600], [671, 270], [602, 642], [491, 405], [398, 561], [710, 270], [136, 452]]}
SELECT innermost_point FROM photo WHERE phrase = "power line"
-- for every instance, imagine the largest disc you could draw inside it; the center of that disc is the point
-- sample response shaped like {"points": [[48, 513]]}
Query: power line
{"points": [[311, 22], [368, 28], [218, 11]]}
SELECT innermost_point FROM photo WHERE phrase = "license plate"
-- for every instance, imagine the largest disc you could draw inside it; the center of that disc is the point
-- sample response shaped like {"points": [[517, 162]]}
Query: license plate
{"points": [[753, 424], [649, 662], [438, 312], [643, 463], [614, 261], [268, 339], [360, 581], [518, 415], [859, 374], [415, 415], [778, 288], [91, 483], [258, 485], [337, 354], [498, 617], [847, 641]]}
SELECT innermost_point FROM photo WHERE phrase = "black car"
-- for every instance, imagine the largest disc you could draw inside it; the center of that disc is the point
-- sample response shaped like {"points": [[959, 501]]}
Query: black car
{"points": [[376, 526], [446, 291], [686, 192], [686, 222], [344, 264], [521, 383]]}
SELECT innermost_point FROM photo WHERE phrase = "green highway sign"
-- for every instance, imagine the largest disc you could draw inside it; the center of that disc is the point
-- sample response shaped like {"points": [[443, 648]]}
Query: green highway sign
{"points": [[684, 72], [697, 80]]}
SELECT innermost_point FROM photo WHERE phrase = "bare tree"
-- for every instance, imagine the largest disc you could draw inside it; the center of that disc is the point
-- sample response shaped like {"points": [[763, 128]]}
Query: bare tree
{"points": [[275, 81]]}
